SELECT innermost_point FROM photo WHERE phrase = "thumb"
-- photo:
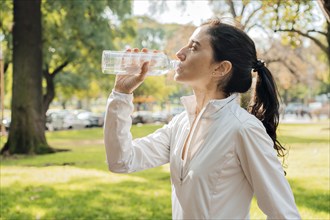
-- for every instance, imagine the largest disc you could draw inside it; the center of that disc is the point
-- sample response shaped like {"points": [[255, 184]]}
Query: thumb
{"points": [[144, 69]]}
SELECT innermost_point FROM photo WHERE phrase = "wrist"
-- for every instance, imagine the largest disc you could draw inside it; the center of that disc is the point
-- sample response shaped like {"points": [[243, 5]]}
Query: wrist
{"points": [[122, 91]]}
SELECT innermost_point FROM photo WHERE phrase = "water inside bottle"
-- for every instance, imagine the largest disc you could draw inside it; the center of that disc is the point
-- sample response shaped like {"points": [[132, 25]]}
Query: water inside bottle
{"points": [[117, 62]]}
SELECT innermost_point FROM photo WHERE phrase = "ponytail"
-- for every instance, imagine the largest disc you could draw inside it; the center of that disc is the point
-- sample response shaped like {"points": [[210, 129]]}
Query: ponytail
{"points": [[266, 104], [233, 44]]}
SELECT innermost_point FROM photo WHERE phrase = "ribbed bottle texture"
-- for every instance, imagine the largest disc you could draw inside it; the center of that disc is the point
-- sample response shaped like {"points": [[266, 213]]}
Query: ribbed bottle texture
{"points": [[128, 63]]}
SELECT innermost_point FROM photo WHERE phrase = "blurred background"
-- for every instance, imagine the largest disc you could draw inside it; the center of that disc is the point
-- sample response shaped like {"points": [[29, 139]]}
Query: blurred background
{"points": [[292, 37], [53, 96]]}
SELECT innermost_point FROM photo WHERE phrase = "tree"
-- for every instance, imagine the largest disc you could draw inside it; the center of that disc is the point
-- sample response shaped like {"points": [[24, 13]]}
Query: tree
{"points": [[297, 19], [27, 127], [303, 69], [72, 37], [325, 7], [6, 23], [76, 32]]}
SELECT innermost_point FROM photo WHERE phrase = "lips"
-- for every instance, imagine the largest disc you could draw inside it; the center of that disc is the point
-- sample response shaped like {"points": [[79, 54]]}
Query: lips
{"points": [[179, 67]]}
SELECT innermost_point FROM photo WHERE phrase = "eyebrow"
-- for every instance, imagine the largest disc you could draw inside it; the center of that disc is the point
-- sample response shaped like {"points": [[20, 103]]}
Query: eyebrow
{"points": [[196, 42]]}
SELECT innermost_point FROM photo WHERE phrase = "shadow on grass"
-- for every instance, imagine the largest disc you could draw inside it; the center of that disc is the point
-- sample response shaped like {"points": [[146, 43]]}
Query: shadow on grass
{"points": [[89, 198], [311, 198]]}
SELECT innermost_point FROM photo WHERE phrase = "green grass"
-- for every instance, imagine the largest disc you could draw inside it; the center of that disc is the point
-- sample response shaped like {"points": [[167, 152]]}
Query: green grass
{"points": [[77, 185]]}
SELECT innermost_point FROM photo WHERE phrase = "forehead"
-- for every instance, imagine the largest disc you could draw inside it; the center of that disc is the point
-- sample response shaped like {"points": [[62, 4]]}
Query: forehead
{"points": [[201, 35]]}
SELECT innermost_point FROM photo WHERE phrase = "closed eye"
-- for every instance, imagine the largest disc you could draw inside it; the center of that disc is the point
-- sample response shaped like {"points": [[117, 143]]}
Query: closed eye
{"points": [[193, 45]]}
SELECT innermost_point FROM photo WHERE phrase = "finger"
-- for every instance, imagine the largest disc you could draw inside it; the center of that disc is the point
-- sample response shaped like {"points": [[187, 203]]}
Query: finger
{"points": [[153, 61], [123, 60], [144, 69], [135, 57], [145, 57]]}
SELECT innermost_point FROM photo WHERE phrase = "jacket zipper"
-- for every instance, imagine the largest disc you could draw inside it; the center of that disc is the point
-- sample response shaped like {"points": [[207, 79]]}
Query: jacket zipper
{"points": [[181, 175], [188, 146]]}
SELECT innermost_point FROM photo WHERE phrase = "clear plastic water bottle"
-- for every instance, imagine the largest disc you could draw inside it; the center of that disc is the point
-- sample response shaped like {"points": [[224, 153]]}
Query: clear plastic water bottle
{"points": [[130, 63]]}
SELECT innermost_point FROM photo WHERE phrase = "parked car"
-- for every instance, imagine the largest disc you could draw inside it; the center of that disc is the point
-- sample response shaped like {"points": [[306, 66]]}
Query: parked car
{"points": [[299, 109], [161, 116], [64, 119], [142, 117], [71, 121], [95, 120], [54, 120]]}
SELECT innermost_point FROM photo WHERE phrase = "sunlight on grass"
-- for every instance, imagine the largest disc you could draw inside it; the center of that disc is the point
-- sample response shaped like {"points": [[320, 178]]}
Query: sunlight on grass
{"points": [[66, 188], [76, 184], [55, 175]]}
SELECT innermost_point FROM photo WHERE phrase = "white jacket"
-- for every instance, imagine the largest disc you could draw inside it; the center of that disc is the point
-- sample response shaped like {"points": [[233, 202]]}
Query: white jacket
{"points": [[229, 158]]}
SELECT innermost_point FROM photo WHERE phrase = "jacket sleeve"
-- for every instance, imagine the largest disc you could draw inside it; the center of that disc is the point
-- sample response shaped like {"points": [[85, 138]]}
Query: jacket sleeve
{"points": [[264, 172], [125, 155]]}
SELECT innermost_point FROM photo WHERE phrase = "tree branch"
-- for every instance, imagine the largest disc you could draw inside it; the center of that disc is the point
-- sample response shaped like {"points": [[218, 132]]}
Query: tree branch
{"points": [[259, 26], [316, 31], [323, 47], [251, 15], [45, 71], [232, 8], [243, 9], [60, 68], [276, 12], [6, 65], [289, 67], [269, 61]]}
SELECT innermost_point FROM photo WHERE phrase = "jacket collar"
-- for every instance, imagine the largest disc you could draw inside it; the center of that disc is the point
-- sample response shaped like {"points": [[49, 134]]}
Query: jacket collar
{"points": [[211, 108]]}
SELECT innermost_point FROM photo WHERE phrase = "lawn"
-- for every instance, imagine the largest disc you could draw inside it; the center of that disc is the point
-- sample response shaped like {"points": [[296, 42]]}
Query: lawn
{"points": [[76, 184]]}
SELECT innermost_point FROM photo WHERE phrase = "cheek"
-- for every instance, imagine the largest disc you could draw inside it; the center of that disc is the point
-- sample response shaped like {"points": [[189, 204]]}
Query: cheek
{"points": [[193, 73], [194, 68], [198, 69]]}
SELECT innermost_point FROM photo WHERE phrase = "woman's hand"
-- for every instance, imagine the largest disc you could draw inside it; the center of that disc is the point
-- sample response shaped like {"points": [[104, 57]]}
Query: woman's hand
{"points": [[128, 83]]}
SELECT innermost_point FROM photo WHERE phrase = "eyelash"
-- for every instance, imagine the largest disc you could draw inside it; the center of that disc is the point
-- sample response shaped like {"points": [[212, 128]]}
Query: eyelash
{"points": [[192, 47]]}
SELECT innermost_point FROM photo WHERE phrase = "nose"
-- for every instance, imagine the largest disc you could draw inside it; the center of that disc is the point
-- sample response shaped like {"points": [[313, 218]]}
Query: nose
{"points": [[181, 55]]}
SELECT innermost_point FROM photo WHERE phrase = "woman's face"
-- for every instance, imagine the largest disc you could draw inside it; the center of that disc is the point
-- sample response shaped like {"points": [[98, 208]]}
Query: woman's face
{"points": [[196, 58]]}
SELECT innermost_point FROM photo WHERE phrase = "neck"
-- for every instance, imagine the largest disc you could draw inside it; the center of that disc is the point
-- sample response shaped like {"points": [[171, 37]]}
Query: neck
{"points": [[204, 96]]}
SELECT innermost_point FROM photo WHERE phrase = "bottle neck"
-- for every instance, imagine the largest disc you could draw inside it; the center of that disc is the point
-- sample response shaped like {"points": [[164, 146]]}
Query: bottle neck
{"points": [[174, 64]]}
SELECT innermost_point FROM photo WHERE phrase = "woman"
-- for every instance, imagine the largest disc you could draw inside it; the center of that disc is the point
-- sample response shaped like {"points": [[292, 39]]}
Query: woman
{"points": [[220, 155]]}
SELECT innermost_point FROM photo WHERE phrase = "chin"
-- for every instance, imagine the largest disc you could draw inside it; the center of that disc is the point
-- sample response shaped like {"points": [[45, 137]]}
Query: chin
{"points": [[178, 78], [181, 79]]}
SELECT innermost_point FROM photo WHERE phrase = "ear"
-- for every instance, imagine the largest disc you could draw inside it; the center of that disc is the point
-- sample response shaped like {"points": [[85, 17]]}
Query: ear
{"points": [[222, 69]]}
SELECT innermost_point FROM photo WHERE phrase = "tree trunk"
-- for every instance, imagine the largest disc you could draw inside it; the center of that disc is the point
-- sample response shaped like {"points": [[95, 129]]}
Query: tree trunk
{"points": [[50, 93], [50, 88], [328, 40], [27, 130]]}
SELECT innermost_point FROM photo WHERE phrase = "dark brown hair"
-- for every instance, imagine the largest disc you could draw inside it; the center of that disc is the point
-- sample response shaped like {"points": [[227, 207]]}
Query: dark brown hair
{"points": [[231, 43]]}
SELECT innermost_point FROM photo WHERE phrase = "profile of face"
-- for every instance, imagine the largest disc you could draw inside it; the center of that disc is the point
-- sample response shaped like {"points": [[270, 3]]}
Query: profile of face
{"points": [[197, 65]]}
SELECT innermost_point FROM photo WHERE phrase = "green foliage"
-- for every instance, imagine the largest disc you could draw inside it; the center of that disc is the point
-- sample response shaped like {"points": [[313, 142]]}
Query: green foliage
{"points": [[58, 185], [297, 92], [77, 32], [150, 34], [6, 25], [296, 15], [324, 88]]}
